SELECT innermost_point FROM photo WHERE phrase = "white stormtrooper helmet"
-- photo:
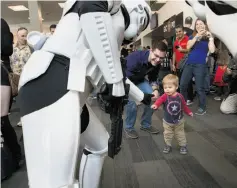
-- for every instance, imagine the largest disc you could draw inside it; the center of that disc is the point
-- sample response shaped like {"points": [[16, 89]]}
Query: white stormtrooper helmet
{"points": [[221, 17], [139, 13]]}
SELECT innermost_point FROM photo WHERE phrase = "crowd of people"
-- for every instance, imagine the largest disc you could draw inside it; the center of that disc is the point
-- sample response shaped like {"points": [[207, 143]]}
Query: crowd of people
{"points": [[195, 67], [206, 63]]}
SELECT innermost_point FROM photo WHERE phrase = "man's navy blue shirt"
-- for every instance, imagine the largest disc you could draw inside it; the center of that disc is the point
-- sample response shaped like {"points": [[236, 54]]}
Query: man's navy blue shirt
{"points": [[135, 61], [138, 61]]}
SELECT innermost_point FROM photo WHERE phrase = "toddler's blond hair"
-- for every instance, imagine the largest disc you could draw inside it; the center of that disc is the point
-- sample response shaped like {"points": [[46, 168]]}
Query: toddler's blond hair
{"points": [[171, 79]]}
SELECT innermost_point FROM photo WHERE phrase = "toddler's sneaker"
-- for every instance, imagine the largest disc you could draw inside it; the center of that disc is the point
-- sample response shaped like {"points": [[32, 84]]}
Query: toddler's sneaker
{"points": [[167, 149], [183, 150]]}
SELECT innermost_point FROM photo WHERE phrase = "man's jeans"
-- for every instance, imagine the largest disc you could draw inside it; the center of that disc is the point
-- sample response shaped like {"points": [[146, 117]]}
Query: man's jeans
{"points": [[199, 72], [131, 110]]}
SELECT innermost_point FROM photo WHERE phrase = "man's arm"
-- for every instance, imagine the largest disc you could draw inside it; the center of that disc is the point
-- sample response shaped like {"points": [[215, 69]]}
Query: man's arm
{"points": [[160, 101], [185, 107], [173, 61], [183, 50]]}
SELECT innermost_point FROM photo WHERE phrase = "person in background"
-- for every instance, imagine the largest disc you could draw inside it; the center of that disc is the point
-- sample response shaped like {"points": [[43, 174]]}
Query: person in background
{"points": [[200, 43], [148, 47], [179, 48], [52, 28], [21, 53], [187, 26], [174, 106], [229, 104], [124, 51], [131, 49], [179, 51], [165, 68], [142, 64], [222, 87], [8, 133]]}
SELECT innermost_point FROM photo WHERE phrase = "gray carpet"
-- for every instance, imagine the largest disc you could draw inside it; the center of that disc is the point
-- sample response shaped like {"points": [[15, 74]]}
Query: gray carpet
{"points": [[210, 163]]}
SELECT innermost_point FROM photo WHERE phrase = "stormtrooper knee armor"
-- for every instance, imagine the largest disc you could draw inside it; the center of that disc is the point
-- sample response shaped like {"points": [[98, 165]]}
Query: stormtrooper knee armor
{"points": [[58, 78]]}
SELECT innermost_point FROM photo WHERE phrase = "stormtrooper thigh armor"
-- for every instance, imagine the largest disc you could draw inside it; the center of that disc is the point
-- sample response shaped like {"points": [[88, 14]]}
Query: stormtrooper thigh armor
{"points": [[52, 128]]}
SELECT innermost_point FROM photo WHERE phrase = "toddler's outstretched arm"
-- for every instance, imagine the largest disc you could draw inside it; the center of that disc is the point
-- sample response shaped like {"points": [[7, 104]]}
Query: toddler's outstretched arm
{"points": [[185, 107], [159, 101]]}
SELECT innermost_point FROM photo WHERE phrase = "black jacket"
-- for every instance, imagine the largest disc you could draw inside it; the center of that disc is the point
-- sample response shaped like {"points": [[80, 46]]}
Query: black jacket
{"points": [[6, 43]]}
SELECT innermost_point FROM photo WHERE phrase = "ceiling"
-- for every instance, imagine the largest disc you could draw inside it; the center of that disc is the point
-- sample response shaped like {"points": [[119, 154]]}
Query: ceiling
{"points": [[50, 10], [156, 6]]}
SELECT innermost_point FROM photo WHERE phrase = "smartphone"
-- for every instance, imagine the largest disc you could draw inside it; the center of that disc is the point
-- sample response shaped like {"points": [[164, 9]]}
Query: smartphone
{"points": [[177, 47]]}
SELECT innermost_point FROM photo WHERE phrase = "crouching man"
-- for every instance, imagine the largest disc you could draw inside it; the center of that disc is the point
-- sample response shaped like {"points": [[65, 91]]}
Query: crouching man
{"points": [[142, 69]]}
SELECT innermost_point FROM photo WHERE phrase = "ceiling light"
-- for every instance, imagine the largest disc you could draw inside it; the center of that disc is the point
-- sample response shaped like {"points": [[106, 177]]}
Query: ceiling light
{"points": [[161, 1], [18, 8], [61, 5]]}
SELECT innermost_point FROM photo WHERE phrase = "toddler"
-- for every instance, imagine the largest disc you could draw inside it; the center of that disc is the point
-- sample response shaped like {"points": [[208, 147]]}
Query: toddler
{"points": [[174, 106]]}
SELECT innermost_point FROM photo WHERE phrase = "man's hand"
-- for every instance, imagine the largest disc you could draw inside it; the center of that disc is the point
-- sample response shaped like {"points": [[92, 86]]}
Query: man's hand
{"points": [[180, 49], [154, 107], [173, 68], [156, 95]]}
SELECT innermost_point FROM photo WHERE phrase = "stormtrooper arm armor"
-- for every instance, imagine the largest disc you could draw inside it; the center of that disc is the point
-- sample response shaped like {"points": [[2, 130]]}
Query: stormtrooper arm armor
{"points": [[134, 92], [96, 23]]}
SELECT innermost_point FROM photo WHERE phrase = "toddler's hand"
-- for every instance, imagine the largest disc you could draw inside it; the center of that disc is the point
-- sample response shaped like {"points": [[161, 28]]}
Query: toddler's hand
{"points": [[154, 107], [191, 114]]}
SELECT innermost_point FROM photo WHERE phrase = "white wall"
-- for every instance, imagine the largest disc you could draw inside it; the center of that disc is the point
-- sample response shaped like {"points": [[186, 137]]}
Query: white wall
{"points": [[169, 9]]}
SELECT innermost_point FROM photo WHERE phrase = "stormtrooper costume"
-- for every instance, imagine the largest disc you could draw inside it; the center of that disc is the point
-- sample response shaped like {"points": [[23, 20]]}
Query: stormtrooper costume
{"points": [[218, 13], [82, 54]]}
